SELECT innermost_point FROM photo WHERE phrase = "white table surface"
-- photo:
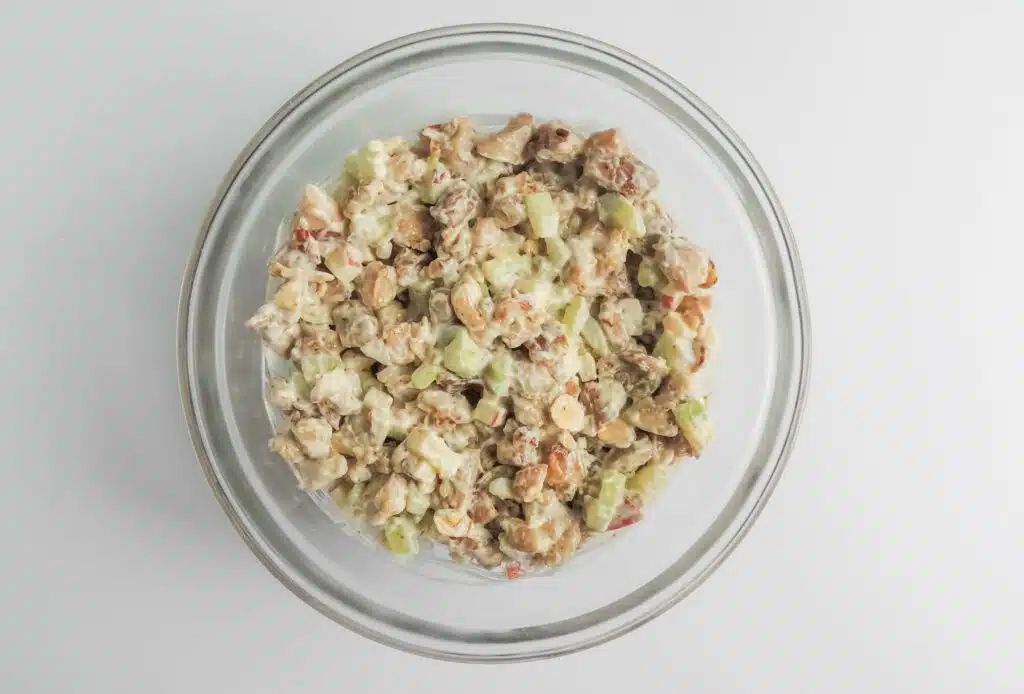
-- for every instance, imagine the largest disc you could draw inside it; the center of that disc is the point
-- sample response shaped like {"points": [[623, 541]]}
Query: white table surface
{"points": [[891, 558]]}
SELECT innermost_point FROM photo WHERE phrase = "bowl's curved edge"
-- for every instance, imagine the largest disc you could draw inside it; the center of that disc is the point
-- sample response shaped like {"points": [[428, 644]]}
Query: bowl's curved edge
{"points": [[188, 280]]}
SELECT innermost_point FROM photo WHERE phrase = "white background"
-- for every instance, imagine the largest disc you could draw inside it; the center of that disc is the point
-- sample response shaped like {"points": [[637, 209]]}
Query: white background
{"points": [[891, 558]]}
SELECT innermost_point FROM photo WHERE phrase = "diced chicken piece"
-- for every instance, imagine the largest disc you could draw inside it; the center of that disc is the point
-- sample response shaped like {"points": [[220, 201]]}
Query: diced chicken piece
{"points": [[517, 320], [650, 417], [390, 499], [529, 482], [508, 207], [566, 469], [317, 211], [611, 167], [632, 459], [459, 205], [354, 323], [412, 227], [452, 143], [339, 391], [314, 436], [685, 264], [396, 379], [555, 141], [521, 448], [277, 327], [509, 144], [400, 344], [444, 407]]}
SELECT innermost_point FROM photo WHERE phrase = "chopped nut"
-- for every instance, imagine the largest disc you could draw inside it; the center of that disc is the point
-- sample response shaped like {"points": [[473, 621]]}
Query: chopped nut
{"points": [[378, 285], [529, 482], [567, 413], [617, 433], [452, 522]]}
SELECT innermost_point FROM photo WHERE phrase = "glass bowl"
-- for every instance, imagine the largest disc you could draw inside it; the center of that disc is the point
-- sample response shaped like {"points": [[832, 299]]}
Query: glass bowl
{"points": [[718, 195]]}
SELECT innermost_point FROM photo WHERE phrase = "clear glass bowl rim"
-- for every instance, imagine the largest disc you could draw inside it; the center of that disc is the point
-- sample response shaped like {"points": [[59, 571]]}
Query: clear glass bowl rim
{"points": [[607, 57]]}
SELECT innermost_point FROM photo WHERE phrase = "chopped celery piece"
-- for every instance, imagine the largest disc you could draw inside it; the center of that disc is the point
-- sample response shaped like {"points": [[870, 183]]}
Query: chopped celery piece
{"points": [[502, 273], [576, 315], [558, 252], [424, 375], [464, 356], [355, 496], [648, 275], [432, 448], [692, 416], [677, 352], [302, 386], [593, 335], [543, 215], [600, 510], [315, 365], [368, 163], [498, 374], [648, 479], [417, 502], [667, 348], [614, 209], [489, 411], [401, 535], [435, 182], [445, 334]]}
